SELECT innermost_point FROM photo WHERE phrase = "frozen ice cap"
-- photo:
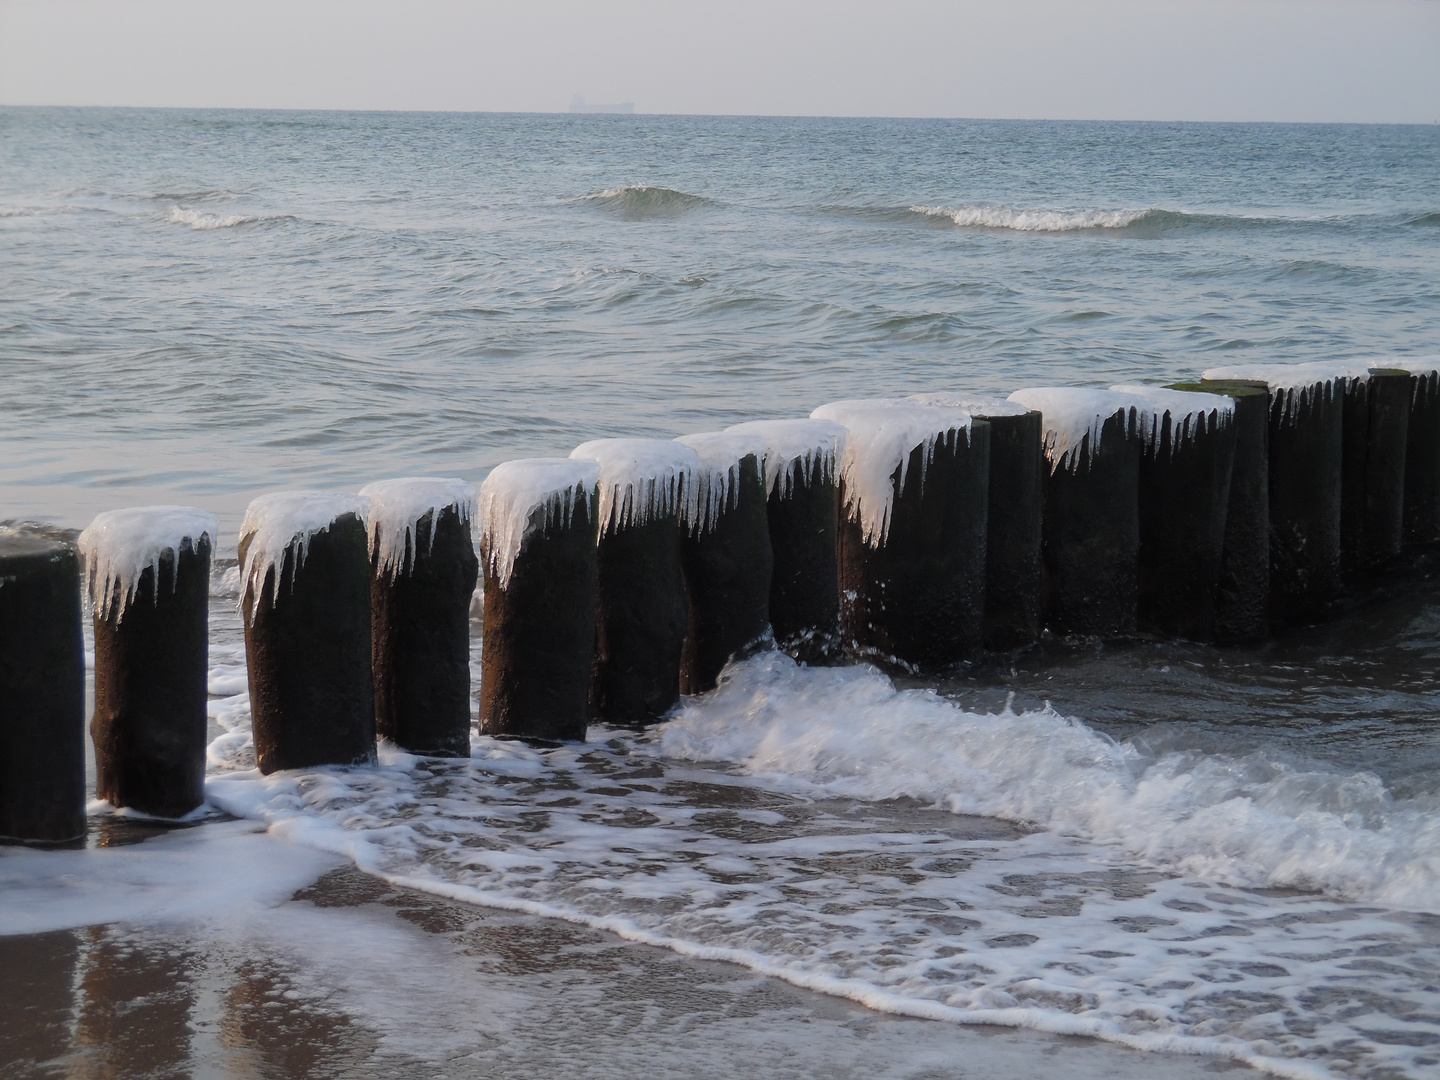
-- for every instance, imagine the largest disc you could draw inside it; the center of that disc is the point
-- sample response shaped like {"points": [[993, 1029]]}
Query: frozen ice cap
{"points": [[1071, 413], [527, 496], [642, 479], [395, 510], [717, 478], [120, 545], [793, 446], [1190, 411], [282, 524], [881, 434]]}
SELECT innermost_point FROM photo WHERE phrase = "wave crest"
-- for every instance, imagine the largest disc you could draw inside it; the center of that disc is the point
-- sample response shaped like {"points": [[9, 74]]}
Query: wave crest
{"points": [[639, 201], [198, 219], [1000, 217]]}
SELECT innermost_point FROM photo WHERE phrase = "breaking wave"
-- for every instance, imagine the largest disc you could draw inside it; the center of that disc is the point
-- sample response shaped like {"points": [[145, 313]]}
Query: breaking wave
{"points": [[1246, 820], [999, 217], [198, 219], [639, 201]]}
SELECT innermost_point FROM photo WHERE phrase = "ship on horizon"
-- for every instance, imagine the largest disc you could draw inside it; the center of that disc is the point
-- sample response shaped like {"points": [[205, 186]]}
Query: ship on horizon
{"points": [[579, 105]]}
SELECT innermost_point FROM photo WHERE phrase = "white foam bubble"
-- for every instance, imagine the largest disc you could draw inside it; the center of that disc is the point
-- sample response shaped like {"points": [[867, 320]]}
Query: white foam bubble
{"points": [[641, 480], [717, 478], [793, 448], [395, 509], [525, 497], [119, 546], [198, 219], [279, 526], [881, 434], [1073, 415]]}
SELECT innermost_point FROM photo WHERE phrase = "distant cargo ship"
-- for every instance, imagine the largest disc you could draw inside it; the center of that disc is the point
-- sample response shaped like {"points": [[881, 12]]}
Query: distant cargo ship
{"points": [[579, 104]]}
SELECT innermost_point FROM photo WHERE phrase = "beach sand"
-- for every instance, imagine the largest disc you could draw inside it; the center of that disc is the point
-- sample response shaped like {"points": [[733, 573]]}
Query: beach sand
{"points": [[353, 977]]}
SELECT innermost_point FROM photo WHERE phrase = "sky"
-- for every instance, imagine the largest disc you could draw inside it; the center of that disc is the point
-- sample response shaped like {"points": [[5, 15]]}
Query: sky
{"points": [[1265, 60]]}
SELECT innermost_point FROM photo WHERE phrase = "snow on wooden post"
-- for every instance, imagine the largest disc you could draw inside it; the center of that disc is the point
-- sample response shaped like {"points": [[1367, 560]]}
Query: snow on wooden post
{"points": [[1012, 543], [1381, 529], [423, 571], [1422, 449], [914, 490], [801, 461], [147, 570], [305, 596], [1307, 407], [42, 692], [725, 552], [539, 521], [1185, 470], [1242, 596], [1091, 527], [645, 487]]}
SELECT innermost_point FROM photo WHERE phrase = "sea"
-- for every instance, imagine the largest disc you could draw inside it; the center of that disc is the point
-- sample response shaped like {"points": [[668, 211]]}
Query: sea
{"points": [[1231, 853]]}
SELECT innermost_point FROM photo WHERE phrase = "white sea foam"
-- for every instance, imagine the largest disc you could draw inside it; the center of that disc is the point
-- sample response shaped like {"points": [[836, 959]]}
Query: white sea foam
{"points": [[1074, 415], [795, 847], [881, 434], [199, 219], [525, 497], [1001, 217], [1416, 365], [641, 480], [793, 448], [394, 512], [980, 406], [279, 527], [1191, 412], [717, 478], [1293, 384], [119, 546]]}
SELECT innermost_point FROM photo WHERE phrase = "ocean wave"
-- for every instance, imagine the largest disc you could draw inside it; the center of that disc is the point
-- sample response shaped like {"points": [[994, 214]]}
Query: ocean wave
{"points": [[639, 201], [1245, 820], [1424, 219], [198, 219], [200, 195], [1000, 217]]}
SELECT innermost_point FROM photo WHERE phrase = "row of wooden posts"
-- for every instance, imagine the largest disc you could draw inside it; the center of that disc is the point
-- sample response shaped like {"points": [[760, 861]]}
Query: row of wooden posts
{"points": [[1212, 525]]}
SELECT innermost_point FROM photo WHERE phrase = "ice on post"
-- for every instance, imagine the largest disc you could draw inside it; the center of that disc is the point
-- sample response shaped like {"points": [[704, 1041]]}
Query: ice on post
{"points": [[914, 491], [423, 572], [147, 571], [801, 481], [1184, 492], [305, 597], [726, 556], [42, 691], [1306, 451], [539, 523], [1012, 544], [646, 488], [1242, 593], [1091, 530]]}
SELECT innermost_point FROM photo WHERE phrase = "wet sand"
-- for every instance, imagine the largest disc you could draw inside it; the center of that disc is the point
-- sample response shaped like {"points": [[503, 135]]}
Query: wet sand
{"points": [[355, 978]]}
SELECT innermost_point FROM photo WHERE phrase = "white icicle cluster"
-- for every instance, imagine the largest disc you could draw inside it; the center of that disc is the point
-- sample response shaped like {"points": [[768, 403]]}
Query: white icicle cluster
{"points": [[641, 480], [881, 434], [119, 546], [794, 447], [280, 526], [526, 497], [394, 513], [1074, 415], [1293, 384], [717, 479], [1191, 412]]}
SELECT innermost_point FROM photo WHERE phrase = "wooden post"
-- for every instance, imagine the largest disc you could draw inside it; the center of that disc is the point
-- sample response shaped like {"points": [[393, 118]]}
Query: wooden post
{"points": [[539, 521], [305, 582], [148, 573], [1422, 450]]}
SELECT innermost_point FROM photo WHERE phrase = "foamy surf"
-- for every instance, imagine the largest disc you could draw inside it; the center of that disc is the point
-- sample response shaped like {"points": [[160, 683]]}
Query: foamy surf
{"points": [[200, 220], [820, 826]]}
